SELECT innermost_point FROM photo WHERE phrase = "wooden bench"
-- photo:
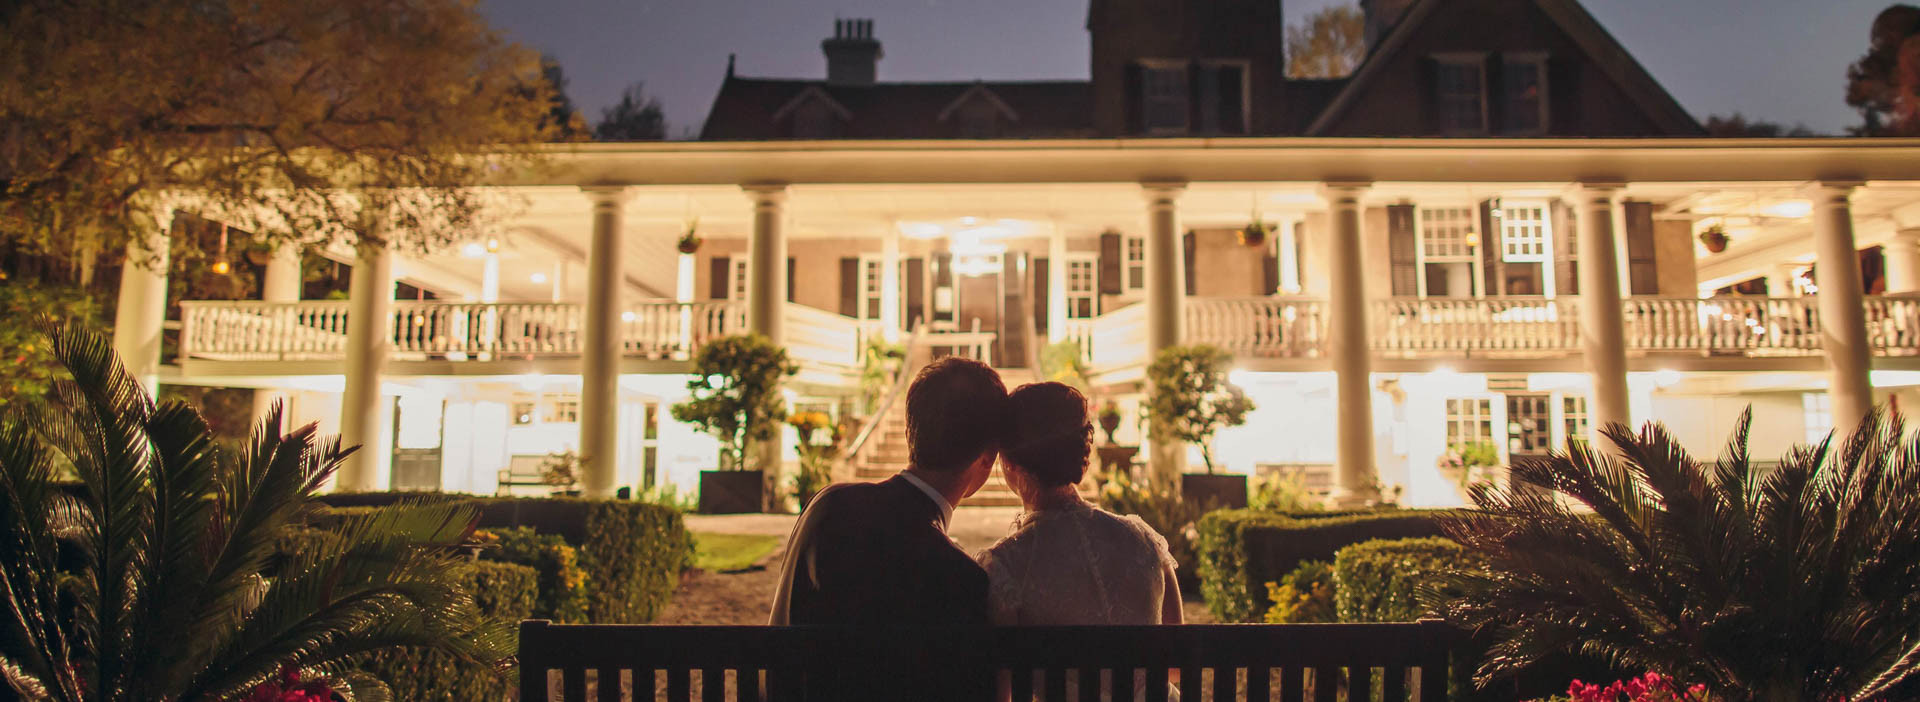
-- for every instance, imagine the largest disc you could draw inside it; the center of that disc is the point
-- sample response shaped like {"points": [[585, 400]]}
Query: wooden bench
{"points": [[1392, 662], [521, 471]]}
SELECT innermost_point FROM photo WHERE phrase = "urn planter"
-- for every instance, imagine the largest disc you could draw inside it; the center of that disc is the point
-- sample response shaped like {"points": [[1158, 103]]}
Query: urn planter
{"points": [[732, 491], [1214, 491]]}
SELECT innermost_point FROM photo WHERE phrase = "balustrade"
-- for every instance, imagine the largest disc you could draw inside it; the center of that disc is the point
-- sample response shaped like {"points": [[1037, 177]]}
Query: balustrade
{"points": [[1475, 325], [1259, 327]]}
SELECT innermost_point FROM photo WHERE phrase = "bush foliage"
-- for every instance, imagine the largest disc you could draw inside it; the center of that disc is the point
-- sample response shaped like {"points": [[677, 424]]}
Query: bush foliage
{"points": [[1380, 580], [562, 582], [1304, 596], [502, 592], [1240, 551]]}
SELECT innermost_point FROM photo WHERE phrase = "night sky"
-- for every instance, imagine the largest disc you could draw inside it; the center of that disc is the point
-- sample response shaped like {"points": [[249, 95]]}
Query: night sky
{"points": [[1779, 60]]}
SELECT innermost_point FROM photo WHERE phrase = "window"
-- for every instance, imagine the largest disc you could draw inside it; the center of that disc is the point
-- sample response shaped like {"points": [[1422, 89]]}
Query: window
{"points": [[1523, 79], [979, 118], [1082, 290], [1524, 232], [1460, 94], [1445, 232], [1529, 423], [1469, 420], [739, 282], [816, 119], [1573, 410], [522, 413], [562, 411], [1164, 90], [650, 447], [870, 287], [1818, 408], [1136, 262]]}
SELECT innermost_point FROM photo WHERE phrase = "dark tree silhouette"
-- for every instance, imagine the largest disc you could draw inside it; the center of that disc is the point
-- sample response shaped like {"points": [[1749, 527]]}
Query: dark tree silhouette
{"points": [[562, 119], [1884, 85], [636, 117], [1737, 125]]}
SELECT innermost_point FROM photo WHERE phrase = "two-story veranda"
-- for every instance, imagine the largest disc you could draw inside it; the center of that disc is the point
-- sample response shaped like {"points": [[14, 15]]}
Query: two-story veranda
{"points": [[1416, 293]]}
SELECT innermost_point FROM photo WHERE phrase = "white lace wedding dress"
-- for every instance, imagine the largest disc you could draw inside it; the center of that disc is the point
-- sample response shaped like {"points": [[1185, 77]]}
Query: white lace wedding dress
{"points": [[1077, 565]]}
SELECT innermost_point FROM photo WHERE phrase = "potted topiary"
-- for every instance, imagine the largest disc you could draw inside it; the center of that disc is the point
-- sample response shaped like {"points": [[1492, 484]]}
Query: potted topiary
{"points": [[735, 392], [1255, 233], [1109, 418], [1714, 238], [1189, 400], [690, 241]]}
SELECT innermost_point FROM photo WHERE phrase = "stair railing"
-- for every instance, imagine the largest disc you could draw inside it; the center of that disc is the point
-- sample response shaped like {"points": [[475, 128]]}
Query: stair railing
{"points": [[909, 364]]}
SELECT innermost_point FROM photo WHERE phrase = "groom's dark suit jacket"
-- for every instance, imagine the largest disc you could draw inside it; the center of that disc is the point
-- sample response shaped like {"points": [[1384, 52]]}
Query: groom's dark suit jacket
{"points": [[874, 558]]}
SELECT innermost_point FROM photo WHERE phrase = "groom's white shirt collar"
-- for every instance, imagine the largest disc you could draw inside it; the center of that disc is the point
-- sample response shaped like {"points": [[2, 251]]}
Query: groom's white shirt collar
{"points": [[946, 508]]}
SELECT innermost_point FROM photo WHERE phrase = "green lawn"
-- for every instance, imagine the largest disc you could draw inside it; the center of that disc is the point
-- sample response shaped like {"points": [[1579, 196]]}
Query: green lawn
{"points": [[723, 552]]}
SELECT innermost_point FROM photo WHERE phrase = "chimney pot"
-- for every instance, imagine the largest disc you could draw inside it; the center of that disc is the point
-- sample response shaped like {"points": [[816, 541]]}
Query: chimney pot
{"points": [[853, 55]]}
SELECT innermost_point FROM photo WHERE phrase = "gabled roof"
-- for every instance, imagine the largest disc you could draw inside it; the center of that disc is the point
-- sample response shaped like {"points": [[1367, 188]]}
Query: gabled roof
{"points": [[979, 91], [753, 108], [1601, 48]]}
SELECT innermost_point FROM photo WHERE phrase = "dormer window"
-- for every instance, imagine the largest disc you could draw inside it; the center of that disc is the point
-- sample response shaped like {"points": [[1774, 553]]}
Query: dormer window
{"points": [[815, 119], [1460, 93], [1523, 89], [1192, 97]]}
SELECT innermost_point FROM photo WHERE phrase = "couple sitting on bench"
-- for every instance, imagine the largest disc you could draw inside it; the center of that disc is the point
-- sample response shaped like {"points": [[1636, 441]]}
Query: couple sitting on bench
{"points": [[877, 556]]}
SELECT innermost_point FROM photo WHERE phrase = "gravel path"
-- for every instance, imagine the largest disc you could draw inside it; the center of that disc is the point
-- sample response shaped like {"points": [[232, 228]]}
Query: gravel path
{"points": [[744, 598]]}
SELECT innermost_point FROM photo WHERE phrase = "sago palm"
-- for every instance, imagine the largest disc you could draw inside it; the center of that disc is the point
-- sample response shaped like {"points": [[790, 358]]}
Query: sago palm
{"points": [[1798, 583], [157, 577]]}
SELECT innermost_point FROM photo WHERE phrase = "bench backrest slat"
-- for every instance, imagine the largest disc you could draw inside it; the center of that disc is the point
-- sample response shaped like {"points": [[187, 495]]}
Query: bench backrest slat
{"points": [[1319, 662]]}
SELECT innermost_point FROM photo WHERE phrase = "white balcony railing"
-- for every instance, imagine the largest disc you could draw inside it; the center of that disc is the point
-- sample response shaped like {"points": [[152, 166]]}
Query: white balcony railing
{"points": [[1469, 326], [1259, 327], [317, 330]]}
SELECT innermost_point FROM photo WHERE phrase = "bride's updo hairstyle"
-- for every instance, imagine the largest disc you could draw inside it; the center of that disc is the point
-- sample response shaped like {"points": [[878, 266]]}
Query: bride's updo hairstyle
{"points": [[1048, 433]]}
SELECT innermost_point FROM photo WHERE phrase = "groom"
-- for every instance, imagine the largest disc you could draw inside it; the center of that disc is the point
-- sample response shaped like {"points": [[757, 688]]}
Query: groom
{"points": [[876, 556]]}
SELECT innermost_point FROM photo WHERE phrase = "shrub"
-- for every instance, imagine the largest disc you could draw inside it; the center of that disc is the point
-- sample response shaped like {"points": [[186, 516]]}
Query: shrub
{"points": [[633, 554], [563, 584], [1285, 493], [735, 389], [1305, 596], [1169, 515], [1239, 551], [1189, 398], [1380, 580], [502, 592]]}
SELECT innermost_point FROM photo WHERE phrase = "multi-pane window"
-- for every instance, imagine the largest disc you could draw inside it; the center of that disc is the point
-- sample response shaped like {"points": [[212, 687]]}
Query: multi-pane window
{"points": [[1573, 413], [1165, 93], [1523, 88], [739, 282], [1818, 409], [1136, 260], [523, 413], [1460, 94], [1444, 232], [1524, 233], [1082, 288], [870, 288], [562, 411], [1469, 420], [1529, 423]]}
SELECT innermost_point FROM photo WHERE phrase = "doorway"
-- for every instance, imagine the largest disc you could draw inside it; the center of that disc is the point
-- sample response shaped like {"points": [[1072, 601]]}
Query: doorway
{"points": [[980, 291]]}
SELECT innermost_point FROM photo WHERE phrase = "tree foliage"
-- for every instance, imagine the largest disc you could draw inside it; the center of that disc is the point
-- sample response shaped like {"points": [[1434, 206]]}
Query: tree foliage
{"points": [[1330, 43], [1189, 398], [157, 578], [27, 366], [1884, 85], [1798, 583], [636, 117], [1737, 125], [736, 393], [562, 119], [297, 121]]}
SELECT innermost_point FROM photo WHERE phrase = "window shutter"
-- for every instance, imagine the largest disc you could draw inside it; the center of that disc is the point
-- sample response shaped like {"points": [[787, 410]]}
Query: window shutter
{"points": [[1233, 104], [1493, 93], [1490, 252], [717, 283], [850, 287], [1270, 273], [1041, 292], [1643, 274], [916, 277], [1566, 249], [943, 280], [1188, 247], [1136, 100], [1112, 264], [1402, 251], [789, 279]]}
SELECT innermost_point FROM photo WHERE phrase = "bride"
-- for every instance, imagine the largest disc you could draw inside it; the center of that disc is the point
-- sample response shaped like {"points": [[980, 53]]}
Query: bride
{"points": [[1066, 562]]}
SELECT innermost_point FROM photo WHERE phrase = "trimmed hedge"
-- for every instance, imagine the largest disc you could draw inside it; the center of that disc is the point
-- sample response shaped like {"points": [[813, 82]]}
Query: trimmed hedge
{"points": [[563, 583], [502, 592], [1242, 550], [1379, 580]]}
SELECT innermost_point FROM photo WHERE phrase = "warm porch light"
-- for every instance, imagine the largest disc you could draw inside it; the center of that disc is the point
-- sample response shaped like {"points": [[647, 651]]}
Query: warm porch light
{"points": [[1791, 209]]}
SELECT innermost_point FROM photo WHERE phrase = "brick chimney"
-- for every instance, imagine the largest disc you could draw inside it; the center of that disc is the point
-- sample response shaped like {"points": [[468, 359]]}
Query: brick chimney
{"points": [[853, 55], [1381, 16]]}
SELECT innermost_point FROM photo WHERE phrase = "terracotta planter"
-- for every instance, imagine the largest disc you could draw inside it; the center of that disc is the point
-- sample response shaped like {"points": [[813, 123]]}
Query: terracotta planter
{"points": [[1714, 240], [1254, 235], [1214, 491], [732, 491], [689, 247]]}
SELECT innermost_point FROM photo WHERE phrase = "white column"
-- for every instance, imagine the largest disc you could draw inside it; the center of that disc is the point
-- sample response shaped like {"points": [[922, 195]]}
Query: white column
{"points": [[363, 410], [683, 294], [1603, 332], [559, 281], [142, 309], [1057, 285], [1780, 280], [889, 284], [1289, 250], [490, 278], [767, 262], [1352, 360], [1166, 293], [280, 284], [600, 349], [1903, 262], [1843, 323]]}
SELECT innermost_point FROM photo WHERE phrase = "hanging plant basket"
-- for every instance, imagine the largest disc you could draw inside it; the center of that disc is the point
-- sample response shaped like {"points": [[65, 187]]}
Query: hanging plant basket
{"points": [[1255, 234], [690, 242], [1714, 238]]}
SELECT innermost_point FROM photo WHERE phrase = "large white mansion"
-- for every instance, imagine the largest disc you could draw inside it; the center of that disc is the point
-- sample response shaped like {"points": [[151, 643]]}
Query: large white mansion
{"points": [[1420, 290]]}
